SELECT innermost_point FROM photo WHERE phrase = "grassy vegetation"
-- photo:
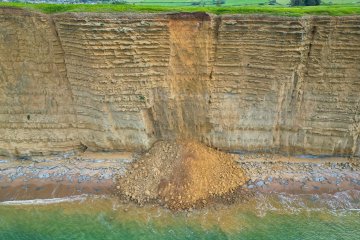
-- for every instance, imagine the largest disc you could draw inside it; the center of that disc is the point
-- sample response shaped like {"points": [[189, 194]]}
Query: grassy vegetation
{"points": [[334, 10], [206, 2], [231, 2]]}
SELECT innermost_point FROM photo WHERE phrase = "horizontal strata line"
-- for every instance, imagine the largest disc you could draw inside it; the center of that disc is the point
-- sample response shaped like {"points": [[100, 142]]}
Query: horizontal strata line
{"points": [[137, 40], [162, 40], [258, 59], [20, 126], [332, 100], [118, 67], [347, 81], [262, 32], [130, 56], [245, 129], [117, 85], [351, 27], [252, 21], [98, 54], [28, 123], [138, 66], [49, 117], [93, 78], [247, 72], [124, 66], [110, 62], [103, 26], [91, 59], [264, 38], [251, 48], [125, 47], [245, 92], [256, 47], [62, 142], [251, 61], [114, 103], [81, 34], [322, 118], [101, 96], [97, 100], [251, 79], [95, 128], [158, 22], [80, 38], [120, 32], [119, 42], [280, 24], [238, 42], [247, 77], [261, 26], [346, 121], [112, 80], [102, 23], [118, 51], [318, 131]]}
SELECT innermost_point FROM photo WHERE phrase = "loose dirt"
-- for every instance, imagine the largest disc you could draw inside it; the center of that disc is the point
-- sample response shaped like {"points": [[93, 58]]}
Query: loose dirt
{"points": [[181, 174]]}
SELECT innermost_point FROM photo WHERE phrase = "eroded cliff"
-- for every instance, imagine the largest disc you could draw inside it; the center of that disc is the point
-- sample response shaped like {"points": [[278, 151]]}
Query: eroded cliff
{"points": [[122, 81]]}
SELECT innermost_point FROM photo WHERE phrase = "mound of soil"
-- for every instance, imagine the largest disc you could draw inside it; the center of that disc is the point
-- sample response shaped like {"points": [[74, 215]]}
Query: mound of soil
{"points": [[181, 175]]}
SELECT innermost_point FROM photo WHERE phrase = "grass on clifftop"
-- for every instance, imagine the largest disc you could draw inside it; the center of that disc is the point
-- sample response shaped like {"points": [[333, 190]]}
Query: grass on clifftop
{"points": [[333, 10]]}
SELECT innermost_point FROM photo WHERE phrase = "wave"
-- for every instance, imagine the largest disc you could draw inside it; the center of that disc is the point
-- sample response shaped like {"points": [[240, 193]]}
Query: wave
{"points": [[47, 201], [340, 202]]}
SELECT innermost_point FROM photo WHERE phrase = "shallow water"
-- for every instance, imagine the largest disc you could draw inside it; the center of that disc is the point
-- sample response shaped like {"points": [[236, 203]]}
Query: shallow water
{"points": [[277, 216]]}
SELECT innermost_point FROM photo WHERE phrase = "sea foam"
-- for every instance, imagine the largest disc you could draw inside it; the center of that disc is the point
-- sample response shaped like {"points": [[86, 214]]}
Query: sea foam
{"points": [[46, 201]]}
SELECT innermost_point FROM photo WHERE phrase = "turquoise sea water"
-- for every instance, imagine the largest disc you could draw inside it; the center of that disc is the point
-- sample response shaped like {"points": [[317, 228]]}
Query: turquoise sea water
{"points": [[265, 217]]}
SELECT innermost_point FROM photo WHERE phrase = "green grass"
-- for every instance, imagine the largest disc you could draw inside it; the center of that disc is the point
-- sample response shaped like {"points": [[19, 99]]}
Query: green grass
{"points": [[333, 10], [230, 2], [207, 2]]}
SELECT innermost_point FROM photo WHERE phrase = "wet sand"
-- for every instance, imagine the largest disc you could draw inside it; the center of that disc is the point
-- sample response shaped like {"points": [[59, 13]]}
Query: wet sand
{"points": [[95, 173]]}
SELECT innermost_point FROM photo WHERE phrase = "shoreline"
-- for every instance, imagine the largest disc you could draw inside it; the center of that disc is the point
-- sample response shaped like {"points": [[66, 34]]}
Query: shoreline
{"points": [[61, 176], [95, 174]]}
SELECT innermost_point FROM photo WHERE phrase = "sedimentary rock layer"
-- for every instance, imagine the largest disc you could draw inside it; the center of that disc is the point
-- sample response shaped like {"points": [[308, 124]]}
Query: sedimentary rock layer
{"points": [[122, 81], [36, 107]]}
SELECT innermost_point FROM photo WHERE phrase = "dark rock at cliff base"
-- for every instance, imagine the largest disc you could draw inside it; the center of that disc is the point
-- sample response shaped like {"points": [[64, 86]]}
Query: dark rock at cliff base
{"points": [[181, 174]]}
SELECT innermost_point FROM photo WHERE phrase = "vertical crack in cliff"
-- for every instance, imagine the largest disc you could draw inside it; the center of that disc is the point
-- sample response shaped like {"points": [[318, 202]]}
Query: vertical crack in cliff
{"points": [[276, 131], [297, 84], [66, 77], [355, 128], [54, 27], [310, 45], [301, 71], [217, 25]]}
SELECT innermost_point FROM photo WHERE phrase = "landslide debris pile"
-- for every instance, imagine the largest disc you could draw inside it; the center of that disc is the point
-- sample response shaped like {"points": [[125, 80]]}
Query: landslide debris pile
{"points": [[181, 175]]}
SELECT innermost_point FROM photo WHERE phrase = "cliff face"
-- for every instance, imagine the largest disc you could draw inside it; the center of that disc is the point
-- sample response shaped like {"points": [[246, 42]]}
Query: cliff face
{"points": [[36, 107], [122, 81]]}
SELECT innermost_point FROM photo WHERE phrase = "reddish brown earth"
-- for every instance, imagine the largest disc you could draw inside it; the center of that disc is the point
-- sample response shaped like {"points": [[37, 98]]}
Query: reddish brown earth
{"points": [[181, 174]]}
